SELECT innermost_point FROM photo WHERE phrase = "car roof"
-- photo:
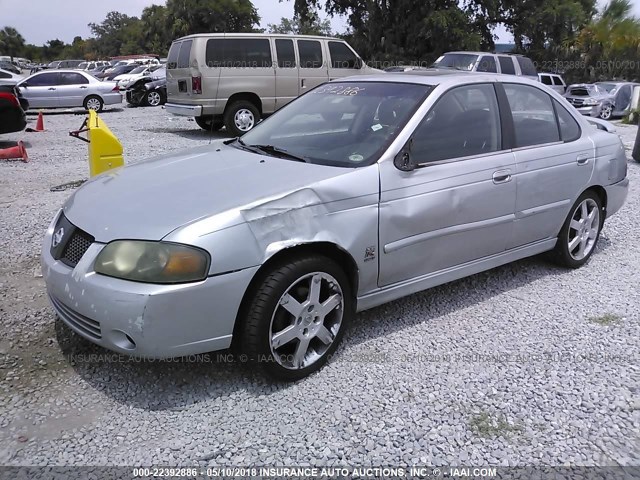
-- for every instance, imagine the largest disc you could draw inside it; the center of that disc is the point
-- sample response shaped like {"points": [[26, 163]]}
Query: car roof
{"points": [[440, 77], [253, 35]]}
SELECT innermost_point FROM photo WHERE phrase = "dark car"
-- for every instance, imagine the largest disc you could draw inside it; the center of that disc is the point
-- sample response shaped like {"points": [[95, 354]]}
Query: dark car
{"points": [[116, 71], [5, 65], [12, 117]]}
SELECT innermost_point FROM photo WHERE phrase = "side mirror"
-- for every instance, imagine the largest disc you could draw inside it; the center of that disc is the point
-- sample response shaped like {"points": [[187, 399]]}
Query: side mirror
{"points": [[402, 160]]}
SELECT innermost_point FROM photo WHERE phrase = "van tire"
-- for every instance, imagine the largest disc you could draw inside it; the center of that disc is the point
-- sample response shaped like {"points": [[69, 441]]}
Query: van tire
{"points": [[209, 123], [240, 117]]}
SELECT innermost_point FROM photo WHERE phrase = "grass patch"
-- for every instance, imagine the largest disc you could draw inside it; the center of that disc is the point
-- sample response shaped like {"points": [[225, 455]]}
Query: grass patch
{"points": [[486, 426], [606, 319]]}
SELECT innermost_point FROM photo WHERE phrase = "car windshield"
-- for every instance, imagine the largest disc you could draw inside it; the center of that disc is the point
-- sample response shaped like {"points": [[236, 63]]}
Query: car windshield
{"points": [[346, 124], [138, 70], [457, 61], [585, 91]]}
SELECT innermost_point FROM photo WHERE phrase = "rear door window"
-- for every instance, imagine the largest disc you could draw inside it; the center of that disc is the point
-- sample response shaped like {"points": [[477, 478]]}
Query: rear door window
{"points": [[487, 64], [238, 53], [546, 79], [185, 54], [534, 118], [506, 65], [286, 54], [310, 54], [70, 78], [172, 58], [342, 56], [557, 81], [526, 66]]}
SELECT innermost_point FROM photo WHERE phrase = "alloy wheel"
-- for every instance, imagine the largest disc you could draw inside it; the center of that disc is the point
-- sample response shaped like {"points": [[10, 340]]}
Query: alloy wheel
{"points": [[605, 113], [583, 229], [153, 99], [306, 320], [93, 104]]}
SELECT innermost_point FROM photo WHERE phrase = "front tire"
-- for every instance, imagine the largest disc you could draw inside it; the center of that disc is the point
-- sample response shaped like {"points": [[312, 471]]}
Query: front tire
{"points": [[153, 98], [580, 233], [93, 102], [297, 316], [240, 117], [606, 112]]}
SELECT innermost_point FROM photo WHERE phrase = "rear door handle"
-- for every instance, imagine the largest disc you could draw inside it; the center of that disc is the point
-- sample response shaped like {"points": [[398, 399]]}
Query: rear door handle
{"points": [[302, 83], [51, 88], [83, 86], [582, 159], [502, 176]]}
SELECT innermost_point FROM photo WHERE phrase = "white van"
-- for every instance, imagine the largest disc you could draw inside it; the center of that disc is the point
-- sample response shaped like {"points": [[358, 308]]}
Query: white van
{"points": [[234, 79]]}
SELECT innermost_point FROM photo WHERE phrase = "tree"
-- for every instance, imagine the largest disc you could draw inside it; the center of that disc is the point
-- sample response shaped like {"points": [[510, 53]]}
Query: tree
{"points": [[116, 31], [11, 42], [186, 17], [156, 34], [302, 26], [53, 49]]}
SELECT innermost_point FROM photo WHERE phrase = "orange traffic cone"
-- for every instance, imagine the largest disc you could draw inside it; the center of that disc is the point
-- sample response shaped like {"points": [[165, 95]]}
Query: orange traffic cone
{"points": [[39, 124], [17, 152]]}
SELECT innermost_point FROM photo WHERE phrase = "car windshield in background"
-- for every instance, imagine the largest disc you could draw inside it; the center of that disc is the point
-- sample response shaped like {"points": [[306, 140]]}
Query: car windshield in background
{"points": [[586, 91], [138, 70], [608, 87], [457, 61], [343, 124]]}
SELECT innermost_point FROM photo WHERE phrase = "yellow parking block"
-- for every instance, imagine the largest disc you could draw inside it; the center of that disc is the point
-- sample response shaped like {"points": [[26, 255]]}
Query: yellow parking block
{"points": [[105, 150]]}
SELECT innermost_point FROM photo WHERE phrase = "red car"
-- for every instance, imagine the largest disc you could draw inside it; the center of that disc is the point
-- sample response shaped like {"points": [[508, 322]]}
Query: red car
{"points": [[12, 116]]}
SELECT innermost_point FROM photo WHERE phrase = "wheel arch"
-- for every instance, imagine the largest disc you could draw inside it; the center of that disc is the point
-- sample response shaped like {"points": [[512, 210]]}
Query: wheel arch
{"points": [[248, 96], [601, 193], [327, 249]]}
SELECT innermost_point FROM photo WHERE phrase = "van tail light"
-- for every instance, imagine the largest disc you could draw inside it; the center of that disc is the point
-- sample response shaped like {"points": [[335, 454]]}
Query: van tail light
{"points": [[10, 98], [196, 85]]}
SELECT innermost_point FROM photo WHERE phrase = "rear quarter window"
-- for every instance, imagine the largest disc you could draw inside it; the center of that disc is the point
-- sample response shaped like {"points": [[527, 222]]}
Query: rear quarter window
{"points": [[526, 66], [506, 65]]}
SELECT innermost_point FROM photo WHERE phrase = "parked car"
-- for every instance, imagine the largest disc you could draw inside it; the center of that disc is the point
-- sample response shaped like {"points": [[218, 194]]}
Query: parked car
{"points": [[10, 67], [12, 116], [68, 88], [553, 81], [591, 100], [230, 79], [125, 79], [147, 91], [621, 93], [89, 66], [487, 62], [9, 78], [271, 242], [111, 73], [98, 70]]}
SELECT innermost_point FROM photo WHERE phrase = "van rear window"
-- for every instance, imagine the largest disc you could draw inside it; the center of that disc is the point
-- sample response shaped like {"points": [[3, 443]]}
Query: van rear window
{"points": [[185, 54], [527, 66], [238, 53], [172, 58]]}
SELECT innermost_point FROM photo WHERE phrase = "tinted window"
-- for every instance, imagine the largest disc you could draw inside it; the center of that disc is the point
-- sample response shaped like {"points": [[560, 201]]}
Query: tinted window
{"points": [[310, 53], [185, 53], [238, 53], [569, 128], [5, 75], [286, 55], [623, 99], [44, 80], [465, 121], [459, 61], [342, 56], [172, 58], [557, 81], [506, 65], [533, 115], [546, 79], [67, 78], [487, 64], [526, 66]]}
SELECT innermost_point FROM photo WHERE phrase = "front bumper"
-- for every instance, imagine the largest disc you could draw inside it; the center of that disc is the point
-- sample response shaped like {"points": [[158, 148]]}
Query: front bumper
{"points": [[143, 320], [590, 111], [184, 110]]}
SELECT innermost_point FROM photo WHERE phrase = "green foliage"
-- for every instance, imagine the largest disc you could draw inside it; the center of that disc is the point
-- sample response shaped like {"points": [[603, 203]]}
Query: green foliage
{"points": [[11, 42], [204, 16], [309, 25]]}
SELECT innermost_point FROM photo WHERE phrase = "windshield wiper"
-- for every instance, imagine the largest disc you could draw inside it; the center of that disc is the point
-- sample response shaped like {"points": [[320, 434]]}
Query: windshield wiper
{"points": [[277, 152]]}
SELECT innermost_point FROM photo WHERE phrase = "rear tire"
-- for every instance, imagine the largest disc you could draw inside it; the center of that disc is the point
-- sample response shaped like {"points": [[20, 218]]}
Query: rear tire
{"points": [[580, 233], [296, 317], [209, 123], [93, 102], [240, 117]]}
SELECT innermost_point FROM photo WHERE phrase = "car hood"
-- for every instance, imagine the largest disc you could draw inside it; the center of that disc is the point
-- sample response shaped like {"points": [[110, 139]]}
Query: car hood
{"points": [[150, 199]]}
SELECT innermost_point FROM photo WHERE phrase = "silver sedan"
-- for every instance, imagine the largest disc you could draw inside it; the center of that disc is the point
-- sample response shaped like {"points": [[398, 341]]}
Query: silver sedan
{"points": [[68, 89], [357, 193]]}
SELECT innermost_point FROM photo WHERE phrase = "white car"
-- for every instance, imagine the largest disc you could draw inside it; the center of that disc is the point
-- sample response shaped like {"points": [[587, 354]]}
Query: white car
{"points": [[9, 78], [127, 79]]}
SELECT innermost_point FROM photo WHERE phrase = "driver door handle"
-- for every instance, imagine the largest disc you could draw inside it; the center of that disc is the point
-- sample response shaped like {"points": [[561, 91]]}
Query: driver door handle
{"points": [[502, 176], [83, 86], [51, 88], [582, 159]]}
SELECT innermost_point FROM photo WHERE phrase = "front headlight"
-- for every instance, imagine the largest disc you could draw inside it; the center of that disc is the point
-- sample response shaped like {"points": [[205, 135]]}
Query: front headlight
{"points": [[152, 262], [591, 102]]}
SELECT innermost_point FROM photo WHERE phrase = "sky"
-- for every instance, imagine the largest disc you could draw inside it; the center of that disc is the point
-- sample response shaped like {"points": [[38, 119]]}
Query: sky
{"points": [[41, 20]]}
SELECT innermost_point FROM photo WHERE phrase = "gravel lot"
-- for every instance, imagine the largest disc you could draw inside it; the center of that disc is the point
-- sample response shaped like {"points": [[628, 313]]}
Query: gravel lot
{"points": [[527, 364]]}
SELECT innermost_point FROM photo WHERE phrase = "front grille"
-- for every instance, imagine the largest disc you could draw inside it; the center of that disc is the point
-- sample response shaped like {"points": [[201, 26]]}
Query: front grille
{"points": [[77, 246], [577, 102], [83, 324]]}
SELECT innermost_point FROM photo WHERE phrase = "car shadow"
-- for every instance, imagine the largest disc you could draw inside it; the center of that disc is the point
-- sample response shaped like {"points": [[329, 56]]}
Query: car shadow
{"points": [[196, 134], [70, 111], [176, 384], [11, 143]]}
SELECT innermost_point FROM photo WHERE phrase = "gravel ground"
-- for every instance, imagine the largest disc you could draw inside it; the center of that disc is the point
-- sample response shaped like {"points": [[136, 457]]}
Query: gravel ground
{"points": [[526, 364]]}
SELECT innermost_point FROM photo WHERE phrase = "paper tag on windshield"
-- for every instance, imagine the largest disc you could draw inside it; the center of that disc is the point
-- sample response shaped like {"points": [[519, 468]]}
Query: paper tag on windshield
{"points": [[376, 127]]}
